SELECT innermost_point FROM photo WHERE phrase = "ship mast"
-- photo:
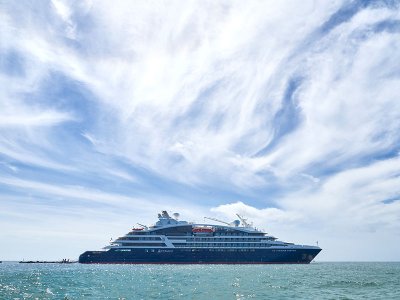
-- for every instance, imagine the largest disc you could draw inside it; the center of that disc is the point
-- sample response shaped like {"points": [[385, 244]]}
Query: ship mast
{"points": [[244, 221], [144, 226]]}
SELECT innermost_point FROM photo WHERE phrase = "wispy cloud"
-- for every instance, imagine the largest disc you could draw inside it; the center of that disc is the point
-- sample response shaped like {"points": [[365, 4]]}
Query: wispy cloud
{"points": [[287, 112]]}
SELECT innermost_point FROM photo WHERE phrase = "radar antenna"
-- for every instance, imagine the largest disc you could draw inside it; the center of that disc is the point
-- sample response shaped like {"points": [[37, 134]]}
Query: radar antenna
{"points": [[223, 222], [244, 221]]}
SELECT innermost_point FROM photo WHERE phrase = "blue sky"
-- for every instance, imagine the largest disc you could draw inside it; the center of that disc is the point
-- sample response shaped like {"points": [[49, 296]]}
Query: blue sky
{"points": [[284, 111]]}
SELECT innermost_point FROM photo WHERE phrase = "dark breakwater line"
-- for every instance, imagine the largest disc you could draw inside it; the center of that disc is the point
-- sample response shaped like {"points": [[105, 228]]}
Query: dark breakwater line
{"points": [[64, 261]]}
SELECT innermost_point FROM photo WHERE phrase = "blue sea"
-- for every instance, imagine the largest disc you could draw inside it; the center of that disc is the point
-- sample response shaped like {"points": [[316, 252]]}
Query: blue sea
{"points": [[320, 280]]}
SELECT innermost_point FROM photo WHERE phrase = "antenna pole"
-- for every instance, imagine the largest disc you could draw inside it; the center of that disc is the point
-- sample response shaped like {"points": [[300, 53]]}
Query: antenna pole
{"points": [[223, 222], [243, 221]]}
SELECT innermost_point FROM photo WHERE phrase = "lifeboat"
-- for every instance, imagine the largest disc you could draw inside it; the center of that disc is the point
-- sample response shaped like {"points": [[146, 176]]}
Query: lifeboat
{"points": [[202, 230]]}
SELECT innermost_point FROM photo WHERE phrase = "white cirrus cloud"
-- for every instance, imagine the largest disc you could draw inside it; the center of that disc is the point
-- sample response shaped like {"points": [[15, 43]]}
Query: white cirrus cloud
{"points": [[293, 104]]}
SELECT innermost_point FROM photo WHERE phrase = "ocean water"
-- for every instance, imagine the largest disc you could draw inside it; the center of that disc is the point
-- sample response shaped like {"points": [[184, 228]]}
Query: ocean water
{"points": [[314, 281]]}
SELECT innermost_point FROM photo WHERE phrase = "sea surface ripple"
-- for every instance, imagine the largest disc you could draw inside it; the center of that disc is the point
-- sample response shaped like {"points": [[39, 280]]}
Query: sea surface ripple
{"points": [[319, 280]]}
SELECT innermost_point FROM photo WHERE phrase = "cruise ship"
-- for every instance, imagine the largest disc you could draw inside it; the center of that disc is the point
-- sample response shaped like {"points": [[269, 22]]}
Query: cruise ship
{"points": [[172, 241]]}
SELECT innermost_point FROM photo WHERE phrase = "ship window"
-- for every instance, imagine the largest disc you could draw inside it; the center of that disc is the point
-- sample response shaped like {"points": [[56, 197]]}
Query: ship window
{"points": [[144, 244]]}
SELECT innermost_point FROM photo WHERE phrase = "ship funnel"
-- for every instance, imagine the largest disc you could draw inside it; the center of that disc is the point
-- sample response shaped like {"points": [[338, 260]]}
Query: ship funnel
{"points": [[165, 214], [176, 215]]}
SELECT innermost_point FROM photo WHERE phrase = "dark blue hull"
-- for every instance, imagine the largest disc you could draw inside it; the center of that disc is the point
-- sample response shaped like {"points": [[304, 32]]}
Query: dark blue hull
{"points": [[200, 256]]}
